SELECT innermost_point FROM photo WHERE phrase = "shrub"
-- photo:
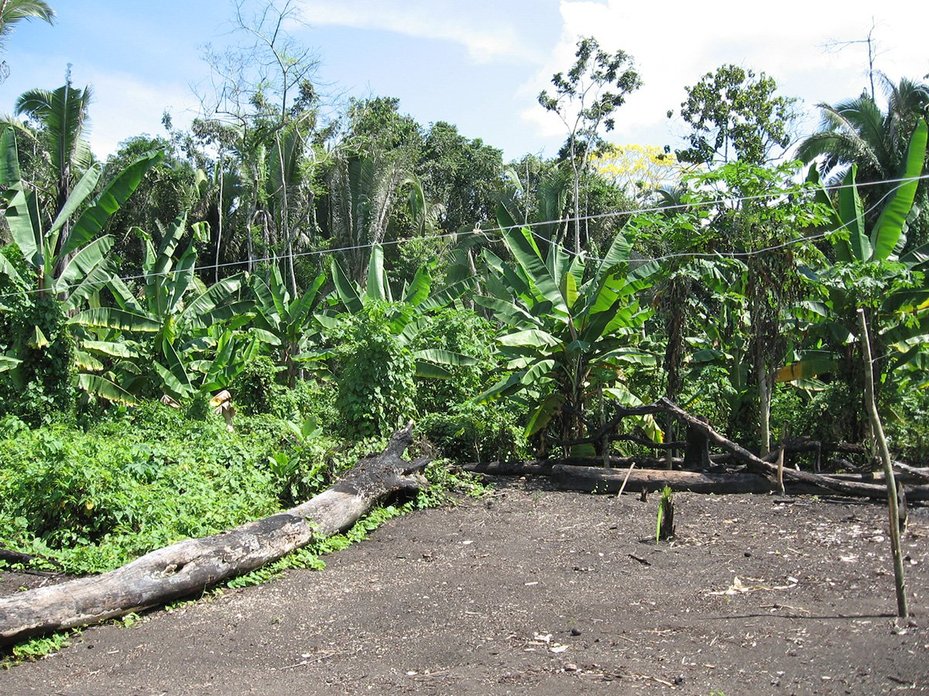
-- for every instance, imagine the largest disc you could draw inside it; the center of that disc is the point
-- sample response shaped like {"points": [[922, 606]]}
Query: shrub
{"points": [[472, 432], [377, 390], [33, 329], [95, 500], [306, 399], [254, 388], [458, 331]]}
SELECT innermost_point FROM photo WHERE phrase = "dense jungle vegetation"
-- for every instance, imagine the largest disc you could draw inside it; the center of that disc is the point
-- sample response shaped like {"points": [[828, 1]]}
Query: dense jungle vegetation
{"points": [[213, 322]]}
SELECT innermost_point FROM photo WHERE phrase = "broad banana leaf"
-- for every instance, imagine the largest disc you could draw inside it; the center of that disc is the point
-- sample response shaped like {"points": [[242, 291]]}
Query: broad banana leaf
{"points": [[531, 338], [811, 364], [8, 362], [418, 290], [111, 199], [377, 288], [105, 389], [445, 357], [345, 289], [851, 213], [542, 414], [7, 269], [113, 318], [892, 221], [527, 255], [113, 349]]}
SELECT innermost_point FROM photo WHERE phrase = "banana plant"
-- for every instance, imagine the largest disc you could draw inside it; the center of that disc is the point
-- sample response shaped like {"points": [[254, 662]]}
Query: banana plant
{"points": [[573, 325], [874, 271], [79, 267], [184, 323], [416, 300], [284, 322]]}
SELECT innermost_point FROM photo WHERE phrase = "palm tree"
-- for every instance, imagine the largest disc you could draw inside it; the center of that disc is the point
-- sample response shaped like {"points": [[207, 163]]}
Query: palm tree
{"points": [[62, 116], [13, 11], [858, 131]]}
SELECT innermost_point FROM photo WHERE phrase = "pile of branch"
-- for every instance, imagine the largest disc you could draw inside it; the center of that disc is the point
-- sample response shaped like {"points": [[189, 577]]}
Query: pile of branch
{"points": [[759, 476], [189, 567]]}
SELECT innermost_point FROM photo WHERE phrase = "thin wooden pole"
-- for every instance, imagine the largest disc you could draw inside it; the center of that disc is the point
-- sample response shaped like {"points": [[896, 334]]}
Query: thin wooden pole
{"points": [[893, 511]]}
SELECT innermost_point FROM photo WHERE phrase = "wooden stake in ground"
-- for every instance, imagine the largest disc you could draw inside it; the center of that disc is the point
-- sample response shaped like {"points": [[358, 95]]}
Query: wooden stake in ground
{"points": [[189, 567], [893, 511]]}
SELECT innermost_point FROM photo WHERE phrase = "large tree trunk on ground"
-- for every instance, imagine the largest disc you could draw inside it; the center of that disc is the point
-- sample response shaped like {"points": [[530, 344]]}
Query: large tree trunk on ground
{"points": [[189, 567], [593, 479]]}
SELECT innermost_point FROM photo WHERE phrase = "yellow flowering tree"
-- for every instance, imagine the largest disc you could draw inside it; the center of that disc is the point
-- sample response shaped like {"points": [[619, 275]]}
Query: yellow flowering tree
{"points": [[635, 168]]}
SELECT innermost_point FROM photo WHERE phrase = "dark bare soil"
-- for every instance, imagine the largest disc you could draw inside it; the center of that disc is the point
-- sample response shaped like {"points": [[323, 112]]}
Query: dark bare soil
{"points": [[533, 591]]}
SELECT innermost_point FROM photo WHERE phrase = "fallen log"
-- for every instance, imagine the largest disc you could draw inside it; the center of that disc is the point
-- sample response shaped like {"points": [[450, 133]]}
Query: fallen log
{"points": [[920, 473], [189, 567], [759, 466], [515, 468], [592, 479]]}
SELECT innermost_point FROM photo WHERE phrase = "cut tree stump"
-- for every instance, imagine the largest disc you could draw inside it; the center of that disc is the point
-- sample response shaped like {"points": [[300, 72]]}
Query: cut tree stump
{"points": [[189, 567]]}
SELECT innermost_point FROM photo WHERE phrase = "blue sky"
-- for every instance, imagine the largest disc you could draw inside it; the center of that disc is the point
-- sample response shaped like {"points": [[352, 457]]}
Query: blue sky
{"points": [[476, 63]]}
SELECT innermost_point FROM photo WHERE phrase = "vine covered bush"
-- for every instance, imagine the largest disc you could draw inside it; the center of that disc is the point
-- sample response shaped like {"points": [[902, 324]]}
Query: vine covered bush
{"points": [[376, 374]]}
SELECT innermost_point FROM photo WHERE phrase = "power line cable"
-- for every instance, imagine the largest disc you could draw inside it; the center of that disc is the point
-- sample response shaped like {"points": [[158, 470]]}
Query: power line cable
{"points": [[499, 229]]}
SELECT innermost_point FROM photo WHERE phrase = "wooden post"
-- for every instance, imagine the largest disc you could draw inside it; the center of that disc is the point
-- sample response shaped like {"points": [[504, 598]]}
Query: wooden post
{"points": [[878, 431]]}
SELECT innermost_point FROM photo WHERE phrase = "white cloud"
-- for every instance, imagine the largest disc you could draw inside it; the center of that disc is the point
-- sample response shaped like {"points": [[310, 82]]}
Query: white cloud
{"points": [[675, 44], [465, 24], [124, 106]]}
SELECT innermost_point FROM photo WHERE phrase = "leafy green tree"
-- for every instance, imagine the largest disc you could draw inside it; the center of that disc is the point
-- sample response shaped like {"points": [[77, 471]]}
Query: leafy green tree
{"points": [[465, 175], [172, 186], [260, 115], [376, 128], [586, 99], [734, 114], [766, 236]]}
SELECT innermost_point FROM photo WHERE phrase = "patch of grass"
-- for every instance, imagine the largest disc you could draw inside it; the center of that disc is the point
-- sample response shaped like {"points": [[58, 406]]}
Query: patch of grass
{"points": [[37, 648]]}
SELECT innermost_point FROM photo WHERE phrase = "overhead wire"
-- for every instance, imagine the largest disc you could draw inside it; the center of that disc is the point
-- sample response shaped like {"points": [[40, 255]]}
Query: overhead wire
{"points": [[497, 229]]}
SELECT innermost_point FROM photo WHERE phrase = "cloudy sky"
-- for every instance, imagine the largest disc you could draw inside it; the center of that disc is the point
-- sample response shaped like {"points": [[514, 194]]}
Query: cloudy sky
{"points": [[476, 63]]}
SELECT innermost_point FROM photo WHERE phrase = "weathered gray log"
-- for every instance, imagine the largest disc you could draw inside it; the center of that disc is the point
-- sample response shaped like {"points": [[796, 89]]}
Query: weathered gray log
{"points": [[594, 479], [189, 567], [915, 472]]}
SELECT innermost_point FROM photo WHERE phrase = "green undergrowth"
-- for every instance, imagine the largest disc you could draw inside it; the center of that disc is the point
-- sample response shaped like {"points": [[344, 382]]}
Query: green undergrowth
{"points": [[37, 648], [84, 501], [444, 485]]}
